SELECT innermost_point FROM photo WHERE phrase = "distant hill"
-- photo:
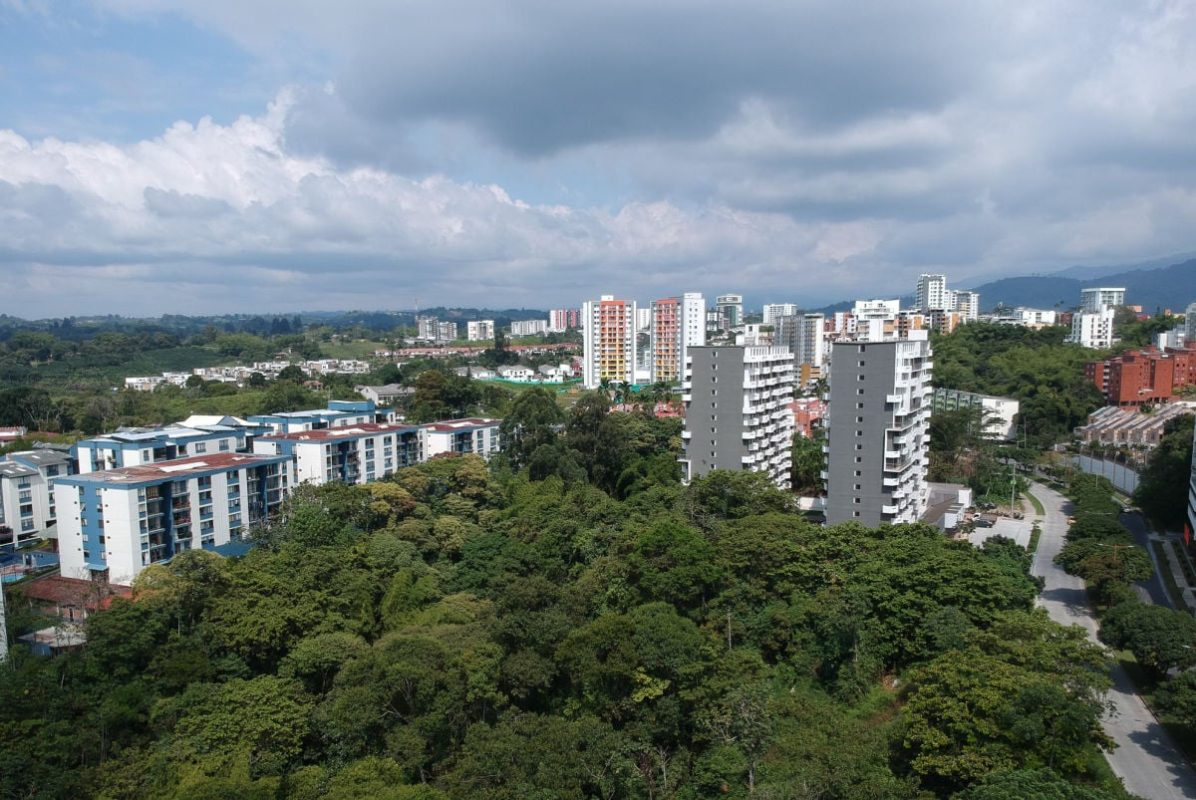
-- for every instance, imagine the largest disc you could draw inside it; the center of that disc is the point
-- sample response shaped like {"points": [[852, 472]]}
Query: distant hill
{"points": [[1171, 287]]}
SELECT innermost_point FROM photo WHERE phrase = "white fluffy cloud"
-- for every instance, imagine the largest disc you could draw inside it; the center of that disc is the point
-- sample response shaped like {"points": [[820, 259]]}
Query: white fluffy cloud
{"points": [[536, 153]]}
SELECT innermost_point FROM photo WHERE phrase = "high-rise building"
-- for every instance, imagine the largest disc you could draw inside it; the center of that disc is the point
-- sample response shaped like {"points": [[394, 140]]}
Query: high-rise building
{"points": [[114, 523], [693, 325], [1093, 328], [774, 311], [878, 431], [874, 320], [932, 293], [730, 308], [608, 337], [1098, 298], [804, 335], [446, 332], [529, 327], [563, 319], [428, 328], [1190, 325], [737, 413], [967, 303], [479, 330], [666, 340]]}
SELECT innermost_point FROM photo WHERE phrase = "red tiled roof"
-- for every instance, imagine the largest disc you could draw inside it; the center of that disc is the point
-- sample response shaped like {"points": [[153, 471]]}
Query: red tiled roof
{"points": [[73, 592]]}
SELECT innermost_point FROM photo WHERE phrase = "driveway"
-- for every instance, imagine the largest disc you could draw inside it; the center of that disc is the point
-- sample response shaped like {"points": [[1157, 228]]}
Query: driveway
{"points": [[1145, 758]]}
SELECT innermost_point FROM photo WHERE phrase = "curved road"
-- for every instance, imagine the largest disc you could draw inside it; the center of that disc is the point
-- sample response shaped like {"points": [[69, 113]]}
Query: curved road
{"points": [[1145, 759]]}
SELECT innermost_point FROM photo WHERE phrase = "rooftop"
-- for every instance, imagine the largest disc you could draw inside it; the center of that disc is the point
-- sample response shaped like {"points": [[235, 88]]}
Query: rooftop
{"points": [[174, 469], [333, 434], [468, 423]]}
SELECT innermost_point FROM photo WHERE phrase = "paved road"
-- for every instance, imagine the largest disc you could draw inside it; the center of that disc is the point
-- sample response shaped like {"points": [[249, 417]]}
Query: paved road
{"points": [[1154, 587], [1145, 758]]}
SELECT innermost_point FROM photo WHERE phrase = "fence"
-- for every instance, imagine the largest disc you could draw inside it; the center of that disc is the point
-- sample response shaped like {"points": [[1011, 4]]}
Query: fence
{"points": [[1123, 478]]}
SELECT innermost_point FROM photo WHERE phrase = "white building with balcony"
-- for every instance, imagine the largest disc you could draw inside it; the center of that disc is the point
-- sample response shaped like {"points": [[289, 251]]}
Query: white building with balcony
{"points": [[737, 414]]}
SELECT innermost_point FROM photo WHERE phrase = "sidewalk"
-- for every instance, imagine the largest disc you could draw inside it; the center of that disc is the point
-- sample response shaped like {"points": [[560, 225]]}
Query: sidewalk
{"points": [[1177, 571]]}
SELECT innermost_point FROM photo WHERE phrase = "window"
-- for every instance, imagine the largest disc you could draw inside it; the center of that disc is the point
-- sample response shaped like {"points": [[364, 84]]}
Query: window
{"points": [[201, 447], [859, 447], [859, 391]]}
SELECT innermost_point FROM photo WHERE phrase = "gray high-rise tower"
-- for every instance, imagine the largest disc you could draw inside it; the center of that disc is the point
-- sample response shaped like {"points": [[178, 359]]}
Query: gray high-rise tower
{"points": [[878, 431]]}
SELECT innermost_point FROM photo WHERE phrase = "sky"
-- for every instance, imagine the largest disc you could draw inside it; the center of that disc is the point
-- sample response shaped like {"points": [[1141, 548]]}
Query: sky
{"points": [[210, 156]]}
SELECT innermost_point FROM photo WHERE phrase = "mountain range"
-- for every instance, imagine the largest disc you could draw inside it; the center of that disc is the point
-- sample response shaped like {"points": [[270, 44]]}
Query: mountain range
{"points": [[1161, 287]]}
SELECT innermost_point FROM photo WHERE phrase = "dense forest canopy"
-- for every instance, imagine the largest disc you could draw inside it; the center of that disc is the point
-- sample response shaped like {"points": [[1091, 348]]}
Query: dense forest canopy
{"points": [[592, 630]]}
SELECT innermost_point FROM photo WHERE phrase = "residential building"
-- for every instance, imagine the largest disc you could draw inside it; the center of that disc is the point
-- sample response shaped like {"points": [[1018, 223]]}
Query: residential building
{"points": [[27, 508], [428, 329], [1190, 323], [1190, 527], [730, 310], [1093, 329], [666, 341], [516, 372], [1146, 376], [114, 523], [446, 332], [966, 303], [1097, 299], [608, 336], [998, 414], [1027, 317], [804, 335], [386, 395], [353, 454], [1129, 427], [737, 411], [529, 327], [131, 447], [878, 431], [774, 311], [474, 435], [931, 294], [479, 330], [808, 413], [693, 325], [338, 414], [563, 319], [10, 433], [873, 320]]}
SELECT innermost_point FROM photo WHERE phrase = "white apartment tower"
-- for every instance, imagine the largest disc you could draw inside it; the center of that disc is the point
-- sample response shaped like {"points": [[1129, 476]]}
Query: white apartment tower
{"points": [[774, 311], [932, 293], [737, 414], [1093, 328], [479, 330], [878, 434], [1101, 297], [608, 339]]}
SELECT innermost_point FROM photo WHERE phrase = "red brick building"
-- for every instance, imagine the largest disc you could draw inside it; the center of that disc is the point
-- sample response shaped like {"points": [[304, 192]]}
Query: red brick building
{"points": [[1143, 376]]}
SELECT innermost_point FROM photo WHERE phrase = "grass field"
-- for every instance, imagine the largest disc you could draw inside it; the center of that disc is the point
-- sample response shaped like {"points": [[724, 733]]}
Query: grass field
{"points": [[360, 349]]}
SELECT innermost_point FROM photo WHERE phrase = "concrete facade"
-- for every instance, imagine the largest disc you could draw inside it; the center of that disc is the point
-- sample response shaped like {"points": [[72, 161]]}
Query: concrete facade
{"points": [[737, 411], [878, 431]]}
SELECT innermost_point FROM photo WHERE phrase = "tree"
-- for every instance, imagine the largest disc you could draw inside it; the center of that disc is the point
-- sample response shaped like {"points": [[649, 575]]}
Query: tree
{"points": [[1177, 698], [533, 422], [1040, 784], [808, 463], [1161, 639], [1162, 491], [292, 374]]}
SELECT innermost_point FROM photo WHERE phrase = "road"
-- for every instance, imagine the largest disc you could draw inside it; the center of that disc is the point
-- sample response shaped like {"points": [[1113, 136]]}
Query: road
{"points": [[1145, 758]]}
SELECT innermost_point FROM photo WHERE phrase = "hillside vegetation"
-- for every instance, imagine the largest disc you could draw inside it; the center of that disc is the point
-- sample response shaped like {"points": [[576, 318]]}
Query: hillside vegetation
{"points": [[472, 633]]}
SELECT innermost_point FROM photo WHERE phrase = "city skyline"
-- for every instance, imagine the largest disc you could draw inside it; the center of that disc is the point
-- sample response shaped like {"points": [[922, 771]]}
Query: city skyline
{"points": [[206, 156]]}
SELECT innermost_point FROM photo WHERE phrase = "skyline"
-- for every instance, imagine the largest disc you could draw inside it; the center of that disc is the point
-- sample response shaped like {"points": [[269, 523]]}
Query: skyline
{"points": [[289, 157]]}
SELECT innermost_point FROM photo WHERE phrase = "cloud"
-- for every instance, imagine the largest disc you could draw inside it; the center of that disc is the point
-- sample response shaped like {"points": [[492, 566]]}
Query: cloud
{"points": [[539, 153]]}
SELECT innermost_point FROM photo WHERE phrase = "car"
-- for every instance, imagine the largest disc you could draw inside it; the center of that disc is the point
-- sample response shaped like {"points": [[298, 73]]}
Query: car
{"points": [[981, 522]]}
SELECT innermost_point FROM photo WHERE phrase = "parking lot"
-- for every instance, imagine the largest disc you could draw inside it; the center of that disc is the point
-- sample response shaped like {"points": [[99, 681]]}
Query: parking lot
{"points": [[1016, 529]]}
